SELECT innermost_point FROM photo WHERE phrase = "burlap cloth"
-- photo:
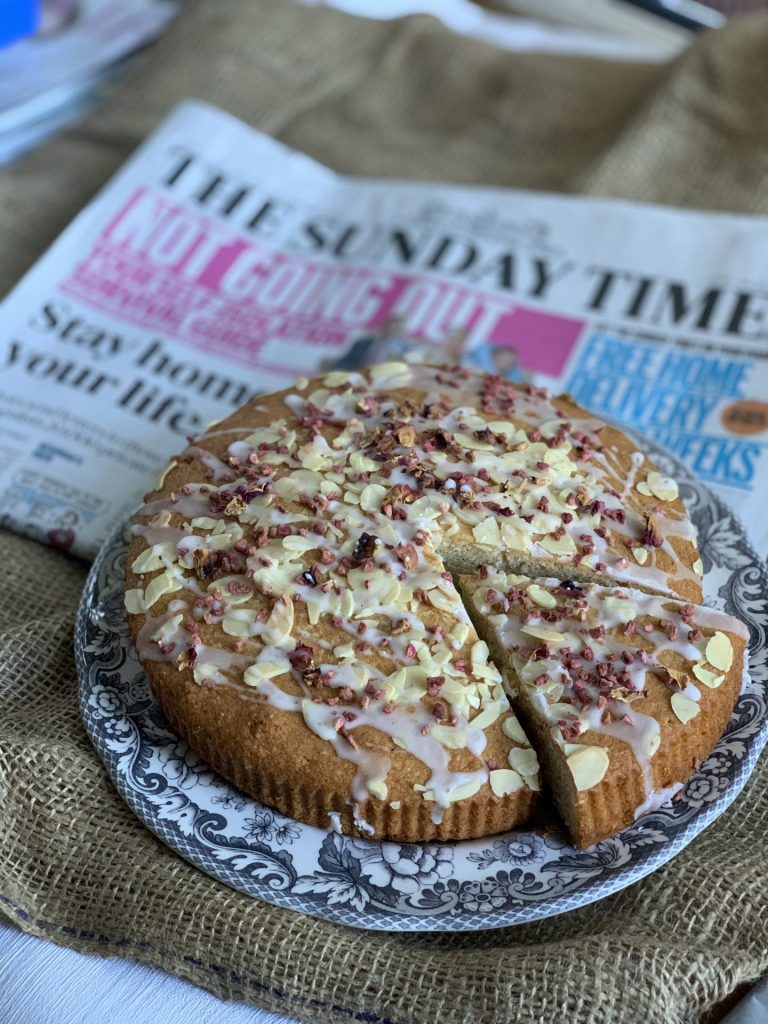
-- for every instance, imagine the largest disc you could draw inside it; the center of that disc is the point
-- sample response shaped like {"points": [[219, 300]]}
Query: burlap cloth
{"points": [[402, 99]]}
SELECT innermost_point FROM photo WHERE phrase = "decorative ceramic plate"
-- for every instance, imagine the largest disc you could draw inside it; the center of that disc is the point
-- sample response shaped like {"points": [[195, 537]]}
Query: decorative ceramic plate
{"points": [[462, 886]]}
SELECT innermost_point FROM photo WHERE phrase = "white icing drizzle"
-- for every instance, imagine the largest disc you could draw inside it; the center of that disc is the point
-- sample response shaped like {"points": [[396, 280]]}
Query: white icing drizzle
{"points": [[403, 723], [360, 823], [334, 817], [276, 697], [216, 468], [164, 638], [175, 637], [158, 535], [713, 618], [657, 797], [196, 502]]}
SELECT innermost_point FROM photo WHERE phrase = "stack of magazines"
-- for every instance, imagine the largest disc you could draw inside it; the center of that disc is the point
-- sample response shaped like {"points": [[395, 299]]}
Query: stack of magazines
{"points": [[50, 79]]}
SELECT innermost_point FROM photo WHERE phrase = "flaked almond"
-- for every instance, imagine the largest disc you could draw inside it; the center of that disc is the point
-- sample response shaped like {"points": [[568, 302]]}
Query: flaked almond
{"points": [[361, 463], [541, 597], [479, 655], [650, 743], [154, 558], [564, 545], [381, 371], [710, 679], [406, 436], [162, 584], [505, 427], [515, 538], [488, 715], [662, 487], [487, 532], [239, 621], [264, 670], [335, 379], [459, 634], [378, 788], [277, 628], [463, 792], [684, 708], [587, 765], [206, 672], [473, 443], [622, 609], [319, 397], [312, 458], [236, 589], [226, 539], [134, 601], [523, 760], [512, 728], [438, 599], [372, 497], [544, 633], [204, 523], [720, 652], [448, 737], [298, 545], [505, 781], [161, 479]]}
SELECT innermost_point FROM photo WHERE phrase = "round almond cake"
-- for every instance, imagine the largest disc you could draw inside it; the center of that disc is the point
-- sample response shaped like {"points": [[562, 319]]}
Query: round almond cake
{"points": [[344, 594]]}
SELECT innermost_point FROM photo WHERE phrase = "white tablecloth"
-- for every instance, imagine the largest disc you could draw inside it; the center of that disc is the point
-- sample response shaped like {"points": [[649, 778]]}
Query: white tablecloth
{"points": [[41, 983]]}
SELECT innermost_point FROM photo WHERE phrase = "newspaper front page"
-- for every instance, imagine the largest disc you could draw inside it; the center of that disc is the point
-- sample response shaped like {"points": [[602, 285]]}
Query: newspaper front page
{"points": [[218, 263]]}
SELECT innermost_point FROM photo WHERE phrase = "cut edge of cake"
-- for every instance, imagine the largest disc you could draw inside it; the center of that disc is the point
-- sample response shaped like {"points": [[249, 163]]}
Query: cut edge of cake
{"points": [[599, 782]]}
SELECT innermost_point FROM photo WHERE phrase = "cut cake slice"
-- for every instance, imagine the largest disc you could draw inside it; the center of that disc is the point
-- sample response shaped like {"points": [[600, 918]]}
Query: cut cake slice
{"points": [[623, 693]]}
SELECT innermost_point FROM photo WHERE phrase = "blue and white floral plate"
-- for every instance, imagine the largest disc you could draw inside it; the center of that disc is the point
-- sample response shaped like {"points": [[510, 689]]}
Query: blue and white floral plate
{"points": [[462, 886]]}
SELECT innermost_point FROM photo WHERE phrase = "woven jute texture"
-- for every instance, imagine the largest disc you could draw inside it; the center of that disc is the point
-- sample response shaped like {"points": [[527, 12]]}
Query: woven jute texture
{"points": [[404, 99]]}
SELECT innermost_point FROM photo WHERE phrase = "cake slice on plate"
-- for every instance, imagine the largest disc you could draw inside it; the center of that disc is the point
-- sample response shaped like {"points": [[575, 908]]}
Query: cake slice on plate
{"points": [[623, 693]]}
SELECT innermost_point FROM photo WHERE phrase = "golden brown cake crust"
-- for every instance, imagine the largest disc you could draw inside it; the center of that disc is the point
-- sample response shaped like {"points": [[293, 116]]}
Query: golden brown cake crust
{"points": [[624, 520], [308, 782], [628, 693]]}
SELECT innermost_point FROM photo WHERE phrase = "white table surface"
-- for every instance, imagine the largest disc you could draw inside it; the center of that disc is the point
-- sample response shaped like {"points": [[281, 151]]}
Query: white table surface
{"points": [[41, 983]]}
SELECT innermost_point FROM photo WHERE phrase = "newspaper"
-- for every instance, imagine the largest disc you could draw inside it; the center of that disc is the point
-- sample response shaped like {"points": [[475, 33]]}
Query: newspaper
{"points": [[219, 263]]}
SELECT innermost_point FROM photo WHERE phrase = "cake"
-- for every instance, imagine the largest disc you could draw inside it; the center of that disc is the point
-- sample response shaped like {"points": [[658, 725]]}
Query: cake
{"points": [[290, 587], [624, 693]]}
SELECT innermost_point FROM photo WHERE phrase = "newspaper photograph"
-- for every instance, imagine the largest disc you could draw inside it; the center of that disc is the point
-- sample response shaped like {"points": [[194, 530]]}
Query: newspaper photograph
{"points": [[218, 263]]}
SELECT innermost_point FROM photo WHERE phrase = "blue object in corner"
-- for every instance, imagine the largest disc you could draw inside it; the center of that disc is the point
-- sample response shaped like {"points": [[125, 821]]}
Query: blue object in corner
{"points": [[18, 18]]}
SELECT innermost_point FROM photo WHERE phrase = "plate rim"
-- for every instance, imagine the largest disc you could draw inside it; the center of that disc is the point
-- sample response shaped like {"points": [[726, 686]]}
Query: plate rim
{"points": [[440, 920]]}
